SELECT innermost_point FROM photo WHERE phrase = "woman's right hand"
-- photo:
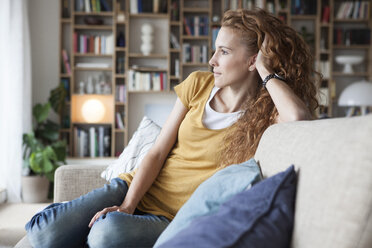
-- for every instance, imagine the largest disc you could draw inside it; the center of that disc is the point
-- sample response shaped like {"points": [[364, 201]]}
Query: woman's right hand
{"points": [[108, 210]]}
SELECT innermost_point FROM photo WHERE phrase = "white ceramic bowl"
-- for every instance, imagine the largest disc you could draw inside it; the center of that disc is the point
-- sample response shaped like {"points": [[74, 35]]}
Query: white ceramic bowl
{"points": [[348, 61]]}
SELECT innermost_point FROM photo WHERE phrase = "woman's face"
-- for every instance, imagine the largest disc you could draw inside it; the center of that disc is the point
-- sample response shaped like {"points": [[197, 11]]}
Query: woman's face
{"points": [[231, 59]]}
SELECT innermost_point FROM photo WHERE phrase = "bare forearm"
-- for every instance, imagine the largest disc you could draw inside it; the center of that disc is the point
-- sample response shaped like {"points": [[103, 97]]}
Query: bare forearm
{"points": [[142, 181], [290, 107]]}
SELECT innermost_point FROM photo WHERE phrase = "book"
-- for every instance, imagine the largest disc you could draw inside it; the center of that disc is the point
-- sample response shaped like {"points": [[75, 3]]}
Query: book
{"points": [[66, 61], [326, 13], [100, 141], [174, 42], [119, 121], [92, 142], [105, 5]]}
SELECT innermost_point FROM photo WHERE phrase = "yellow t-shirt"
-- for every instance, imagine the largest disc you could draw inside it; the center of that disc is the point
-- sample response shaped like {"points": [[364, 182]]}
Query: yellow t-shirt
{"points": [[193, 159]]}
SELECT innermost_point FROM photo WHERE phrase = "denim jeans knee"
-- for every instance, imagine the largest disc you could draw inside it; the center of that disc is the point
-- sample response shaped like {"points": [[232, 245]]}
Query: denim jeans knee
{"points": [[66, 224], [117, 229]]}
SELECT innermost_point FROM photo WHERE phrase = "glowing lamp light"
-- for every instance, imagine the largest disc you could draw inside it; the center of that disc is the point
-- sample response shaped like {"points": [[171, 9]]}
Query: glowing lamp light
{"points": [[93, 111], [97, 109]]}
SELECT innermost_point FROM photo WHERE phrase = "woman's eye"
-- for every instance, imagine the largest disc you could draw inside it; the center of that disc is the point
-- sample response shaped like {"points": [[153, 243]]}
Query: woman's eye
{"points": [[223, 52]]}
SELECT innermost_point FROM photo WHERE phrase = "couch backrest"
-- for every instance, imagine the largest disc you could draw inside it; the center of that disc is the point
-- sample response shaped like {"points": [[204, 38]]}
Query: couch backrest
{"points": [[334, 162]]}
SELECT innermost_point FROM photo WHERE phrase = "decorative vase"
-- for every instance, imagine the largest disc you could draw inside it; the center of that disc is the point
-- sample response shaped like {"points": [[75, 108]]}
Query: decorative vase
{"points": [[35, 189], [146, 37]]}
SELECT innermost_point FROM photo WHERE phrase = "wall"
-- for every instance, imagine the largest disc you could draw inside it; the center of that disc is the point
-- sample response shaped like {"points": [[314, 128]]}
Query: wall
{"points": [[44, 34]]}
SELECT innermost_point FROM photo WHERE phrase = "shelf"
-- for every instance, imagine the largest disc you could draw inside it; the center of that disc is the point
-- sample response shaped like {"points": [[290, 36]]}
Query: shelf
{"points": [[149, 69], [354, 74], [92, 69], [192, 37], [148, 91], [351, 47], [196, 10], [149, 15], [303, 17], [175, 23], [174, 50], [153, 56], [93, 27], [174, 78], [120, 23], [352, 20], [66, 20], [120, 103], [119, 130], [102, 13], [120, 49], [91, 55], [325, 51], [195, 64], [92, 124]]}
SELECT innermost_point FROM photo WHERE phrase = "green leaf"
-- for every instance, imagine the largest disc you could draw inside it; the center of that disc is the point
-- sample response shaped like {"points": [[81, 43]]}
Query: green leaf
{"points": [[57, 98], [60, 150], [48, 131], [41, 112], [43, 160]]}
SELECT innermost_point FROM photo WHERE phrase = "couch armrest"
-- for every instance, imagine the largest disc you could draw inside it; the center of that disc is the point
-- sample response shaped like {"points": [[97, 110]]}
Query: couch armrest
{"points": [[72, 181]]}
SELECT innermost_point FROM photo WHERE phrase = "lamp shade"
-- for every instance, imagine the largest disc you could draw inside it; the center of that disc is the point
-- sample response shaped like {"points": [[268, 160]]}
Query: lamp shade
{"points": [[356, 94], [95, 109]]}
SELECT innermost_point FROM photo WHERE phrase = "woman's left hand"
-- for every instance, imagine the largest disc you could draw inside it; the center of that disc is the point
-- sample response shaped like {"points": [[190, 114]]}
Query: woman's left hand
{"points": [[263, 64], [105, 211]]}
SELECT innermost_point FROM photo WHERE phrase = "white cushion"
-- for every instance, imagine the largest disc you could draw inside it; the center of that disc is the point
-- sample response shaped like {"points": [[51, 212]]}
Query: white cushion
{"points": [[138, 146]]}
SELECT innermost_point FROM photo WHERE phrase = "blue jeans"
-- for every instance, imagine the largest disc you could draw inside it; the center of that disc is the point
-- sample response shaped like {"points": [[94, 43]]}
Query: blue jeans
{"points": [[66, 224]]}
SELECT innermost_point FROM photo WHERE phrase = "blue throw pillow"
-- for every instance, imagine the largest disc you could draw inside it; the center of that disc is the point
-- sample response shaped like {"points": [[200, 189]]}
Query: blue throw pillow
{"points": [[259, 217], [208, 197]]}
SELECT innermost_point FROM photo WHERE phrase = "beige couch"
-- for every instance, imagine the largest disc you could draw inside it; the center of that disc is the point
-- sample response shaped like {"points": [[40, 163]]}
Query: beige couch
{"points": [[334, 195]]}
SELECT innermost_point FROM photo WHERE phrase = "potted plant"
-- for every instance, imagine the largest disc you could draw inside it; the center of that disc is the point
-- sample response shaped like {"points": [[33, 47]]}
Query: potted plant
{"points": [[43, 152]]}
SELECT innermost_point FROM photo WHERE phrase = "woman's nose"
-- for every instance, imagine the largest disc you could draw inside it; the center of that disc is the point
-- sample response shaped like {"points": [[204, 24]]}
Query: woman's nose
{"points": [[212, 61]]}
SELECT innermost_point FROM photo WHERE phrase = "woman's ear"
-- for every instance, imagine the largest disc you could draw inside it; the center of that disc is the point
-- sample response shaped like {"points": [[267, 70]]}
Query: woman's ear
{"points": [[252, 63]]}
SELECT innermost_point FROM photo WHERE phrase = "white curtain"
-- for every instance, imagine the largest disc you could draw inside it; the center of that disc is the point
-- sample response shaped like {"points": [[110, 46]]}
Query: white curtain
{"points": [[15, 93]]}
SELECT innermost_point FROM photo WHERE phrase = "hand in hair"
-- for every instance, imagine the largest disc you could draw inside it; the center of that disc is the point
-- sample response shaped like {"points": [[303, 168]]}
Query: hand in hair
{"points": [[263, 64]]}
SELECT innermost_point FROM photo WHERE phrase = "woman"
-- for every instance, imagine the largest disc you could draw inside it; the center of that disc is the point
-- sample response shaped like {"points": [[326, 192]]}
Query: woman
{"points": [[262, 74]]}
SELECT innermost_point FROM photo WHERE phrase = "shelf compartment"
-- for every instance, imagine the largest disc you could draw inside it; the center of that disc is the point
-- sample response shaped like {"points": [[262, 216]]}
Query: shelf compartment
{"points": [[120, 75]]}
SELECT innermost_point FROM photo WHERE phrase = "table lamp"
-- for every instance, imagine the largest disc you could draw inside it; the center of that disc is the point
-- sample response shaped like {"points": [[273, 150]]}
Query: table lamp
{"points": [[94, 109], [358, 94]]}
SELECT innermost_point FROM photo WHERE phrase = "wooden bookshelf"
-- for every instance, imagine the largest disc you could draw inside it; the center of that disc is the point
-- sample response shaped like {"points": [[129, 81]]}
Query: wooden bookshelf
{"points": [[172, 59]]}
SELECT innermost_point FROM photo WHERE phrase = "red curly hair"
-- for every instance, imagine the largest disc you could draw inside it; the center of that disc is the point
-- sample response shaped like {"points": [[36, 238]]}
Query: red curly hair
{"points": [[289, 56]]}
